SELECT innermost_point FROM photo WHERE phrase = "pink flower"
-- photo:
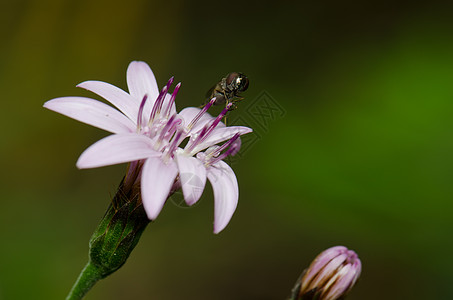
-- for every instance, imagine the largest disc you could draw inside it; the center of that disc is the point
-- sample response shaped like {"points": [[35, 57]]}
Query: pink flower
{"points": [[148, 133]]}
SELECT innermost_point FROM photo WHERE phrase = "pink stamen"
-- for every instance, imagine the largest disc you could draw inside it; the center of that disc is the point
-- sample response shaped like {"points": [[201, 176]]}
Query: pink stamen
{"points": [[237, 145], [170, 129], [198, 116], [161, 102], [172, 100], [166, 128], [206, 130], [157, 104], [215, 122], [140, 112], [225, 145], [173, 128], [192, 145], [170, 81], [175, 142], [232, 149]]}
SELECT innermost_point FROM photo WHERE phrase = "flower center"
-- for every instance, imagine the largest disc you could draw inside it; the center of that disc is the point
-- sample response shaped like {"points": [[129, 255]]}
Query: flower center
{"points": [[167, 132]]}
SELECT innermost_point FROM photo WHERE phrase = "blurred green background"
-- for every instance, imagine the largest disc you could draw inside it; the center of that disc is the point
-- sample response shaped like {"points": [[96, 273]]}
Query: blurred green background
{"points": [[362, 156]]}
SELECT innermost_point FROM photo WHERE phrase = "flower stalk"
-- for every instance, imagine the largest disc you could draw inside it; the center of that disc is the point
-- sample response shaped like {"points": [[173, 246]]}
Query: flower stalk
{"points": [[87, 279], [114, 239]]}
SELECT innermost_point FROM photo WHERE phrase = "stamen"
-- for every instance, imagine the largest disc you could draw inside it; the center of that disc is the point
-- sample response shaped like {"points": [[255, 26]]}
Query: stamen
{"points": [[232, 149], [157, 104], [165, 129], [216, 122], [170, 81], [206, 130], [211, 151], [162, 100], [237, 145], [175, 126], [169, 129], [172, 100], [225, 145], [175, 142], [198, 116], [191, 145], [140, 112]]}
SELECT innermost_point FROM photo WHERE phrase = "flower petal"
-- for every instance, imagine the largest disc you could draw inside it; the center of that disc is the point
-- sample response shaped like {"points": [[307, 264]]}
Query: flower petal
{"points": [[192, 174], [219, 135], [116, 149], [340, 283], [156, 182], [226, 193], [320, 262], [189, 113], [122, 100], [141, 81], [329, 269], [92, 112]]}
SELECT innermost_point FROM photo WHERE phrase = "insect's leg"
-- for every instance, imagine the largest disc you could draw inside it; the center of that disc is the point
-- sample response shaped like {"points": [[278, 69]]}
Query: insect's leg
{"points": [[225, 117], [227, 100]]}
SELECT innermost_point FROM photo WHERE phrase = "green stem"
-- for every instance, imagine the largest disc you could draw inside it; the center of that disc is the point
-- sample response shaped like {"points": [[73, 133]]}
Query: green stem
{"points": [[114, 239], [87, 278]]}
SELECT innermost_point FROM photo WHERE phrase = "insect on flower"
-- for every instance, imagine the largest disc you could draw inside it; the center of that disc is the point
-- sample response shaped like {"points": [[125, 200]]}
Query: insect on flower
{"points": [[228, 90], [149, 134]]}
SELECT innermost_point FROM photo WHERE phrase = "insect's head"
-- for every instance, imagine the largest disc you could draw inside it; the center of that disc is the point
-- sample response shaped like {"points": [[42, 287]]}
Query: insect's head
{"points": [[239, 81]]}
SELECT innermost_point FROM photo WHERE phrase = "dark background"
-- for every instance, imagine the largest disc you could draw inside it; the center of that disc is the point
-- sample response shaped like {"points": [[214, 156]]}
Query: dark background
{"points": [[358, 152]]}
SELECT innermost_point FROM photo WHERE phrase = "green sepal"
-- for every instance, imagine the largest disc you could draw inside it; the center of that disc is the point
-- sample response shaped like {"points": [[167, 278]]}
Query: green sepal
{"points": [[118, 233]]}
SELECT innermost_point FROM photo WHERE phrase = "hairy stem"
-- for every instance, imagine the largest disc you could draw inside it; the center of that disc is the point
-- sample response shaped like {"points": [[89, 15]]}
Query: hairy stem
{"points": [[87, 278]]}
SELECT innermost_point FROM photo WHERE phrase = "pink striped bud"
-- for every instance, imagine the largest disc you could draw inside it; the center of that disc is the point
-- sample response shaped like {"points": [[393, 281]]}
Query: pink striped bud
{"points": [[331, 275]]}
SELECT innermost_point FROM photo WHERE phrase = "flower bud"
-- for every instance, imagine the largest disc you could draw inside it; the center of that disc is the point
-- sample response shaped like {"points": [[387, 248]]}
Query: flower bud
{"points": [[331, 275]]}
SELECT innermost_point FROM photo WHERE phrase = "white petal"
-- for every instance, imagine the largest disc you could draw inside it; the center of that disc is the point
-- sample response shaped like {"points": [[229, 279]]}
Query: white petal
{"points": [[92, 112], [192, 174], [141, 81], [226, 193], [122, 100], [220, 135], [156, 182], [188, 113], [116, 149]]}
